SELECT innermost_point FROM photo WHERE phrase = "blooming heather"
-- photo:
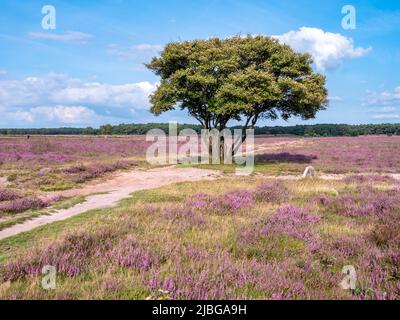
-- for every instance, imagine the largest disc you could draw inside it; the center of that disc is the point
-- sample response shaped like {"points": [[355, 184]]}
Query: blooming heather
{"points": [[184, 216], [22, 204], [367, 201], [128, 253], [292, 221], [53, 150], [335, 154], [7, 195], [272, 192], [368, 179], [81, 173], [70, 257], [224, 204]]}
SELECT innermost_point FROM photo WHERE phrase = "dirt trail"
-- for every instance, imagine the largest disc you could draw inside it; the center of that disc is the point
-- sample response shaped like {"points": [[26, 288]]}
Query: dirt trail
{"points": [[3, 181], [118, 188]]}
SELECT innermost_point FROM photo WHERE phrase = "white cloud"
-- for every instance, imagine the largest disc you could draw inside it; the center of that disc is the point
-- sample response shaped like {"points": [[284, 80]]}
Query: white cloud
{"points": [[58, 98], [384, 113], [59, 89], [70, 114], [327, 49], [131, 94], [33, 90], [3, 72], [67, 37], [386, 116], [385, 104], [383, 98], [57, 114], [19, 115], [383, 110]]}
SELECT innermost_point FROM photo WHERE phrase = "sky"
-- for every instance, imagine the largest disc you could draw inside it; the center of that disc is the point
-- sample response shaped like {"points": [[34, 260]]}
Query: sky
{"points": [[89, 70]]}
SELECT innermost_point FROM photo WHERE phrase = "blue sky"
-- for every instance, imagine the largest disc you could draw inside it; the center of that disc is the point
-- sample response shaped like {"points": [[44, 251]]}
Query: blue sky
{"points": [[89, 70]]}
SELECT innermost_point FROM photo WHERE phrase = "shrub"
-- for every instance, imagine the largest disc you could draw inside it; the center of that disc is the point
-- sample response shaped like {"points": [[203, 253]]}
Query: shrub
{"points": [[185, 217], [129, 254], [7, 195], [22, 204], [367, 201], [272, 192], [222, 204], [386, 233], [70, 256]]}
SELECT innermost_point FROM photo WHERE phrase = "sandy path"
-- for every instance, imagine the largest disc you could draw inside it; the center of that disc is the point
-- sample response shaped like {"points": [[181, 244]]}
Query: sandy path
{"points": [[3, 181], [118, 188]]}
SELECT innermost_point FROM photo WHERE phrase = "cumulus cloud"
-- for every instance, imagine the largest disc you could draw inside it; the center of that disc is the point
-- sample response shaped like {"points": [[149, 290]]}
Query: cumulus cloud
{"points": [[67, 37], [131, 94], [59, 98], [62, 89], [327, 49], [65, 114], [58, 114], [19, 115]]}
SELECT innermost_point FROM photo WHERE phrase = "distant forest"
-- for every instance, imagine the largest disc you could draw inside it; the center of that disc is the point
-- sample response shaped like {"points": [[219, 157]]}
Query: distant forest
{"points": [[317, 130]]}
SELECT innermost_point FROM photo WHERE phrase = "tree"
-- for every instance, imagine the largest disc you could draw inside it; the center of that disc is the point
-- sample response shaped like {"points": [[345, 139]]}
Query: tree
{"points": [[241, 78], [106, 129]]}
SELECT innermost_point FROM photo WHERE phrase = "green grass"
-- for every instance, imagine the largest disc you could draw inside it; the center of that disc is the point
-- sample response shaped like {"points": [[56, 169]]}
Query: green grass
{"points": [[17, 220], [276, 247], [12, 220], [49, 232], [58, 186], [68, 203], [272, 168]]}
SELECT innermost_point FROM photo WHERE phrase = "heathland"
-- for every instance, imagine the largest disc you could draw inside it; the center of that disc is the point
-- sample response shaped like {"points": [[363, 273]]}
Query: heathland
{"points": [[271, 235]]}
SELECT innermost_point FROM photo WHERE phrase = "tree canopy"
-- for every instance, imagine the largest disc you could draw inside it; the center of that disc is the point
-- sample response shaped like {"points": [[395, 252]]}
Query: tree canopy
{"points": [[239, 78]]}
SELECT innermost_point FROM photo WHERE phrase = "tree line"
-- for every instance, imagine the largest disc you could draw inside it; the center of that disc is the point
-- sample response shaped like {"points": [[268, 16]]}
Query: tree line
{"points": [[317, 130]]}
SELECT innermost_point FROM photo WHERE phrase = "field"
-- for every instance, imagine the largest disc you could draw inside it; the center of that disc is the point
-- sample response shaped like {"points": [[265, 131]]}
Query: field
{"points": [[271, 235]]}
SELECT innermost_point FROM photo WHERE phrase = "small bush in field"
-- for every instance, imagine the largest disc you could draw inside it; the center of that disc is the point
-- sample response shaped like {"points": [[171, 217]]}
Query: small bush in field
{"points": [[223, 204], [366, 202], [70, 257], [287, 232], [177, 215], [387, 231], [272, 192], [81, 173], [292, 221], [7, 195], [22, 204], [128, 253]]}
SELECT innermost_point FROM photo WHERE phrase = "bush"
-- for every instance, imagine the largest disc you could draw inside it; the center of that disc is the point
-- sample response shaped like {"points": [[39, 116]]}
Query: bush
{"points": [[272, 192]]}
